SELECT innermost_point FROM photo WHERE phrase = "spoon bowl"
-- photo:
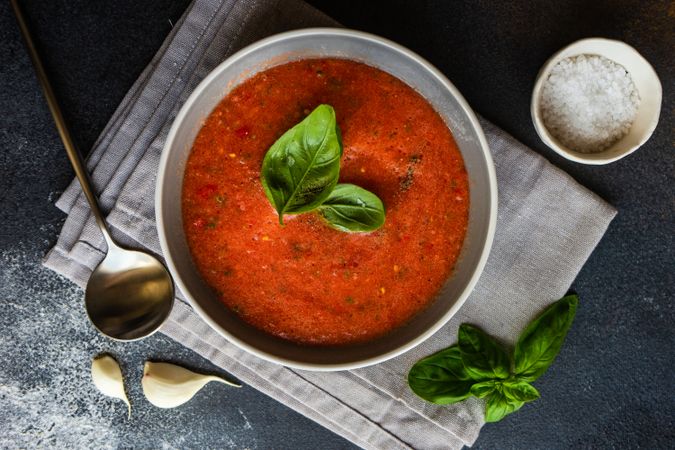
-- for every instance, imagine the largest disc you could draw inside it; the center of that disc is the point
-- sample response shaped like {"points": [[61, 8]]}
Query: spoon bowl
{"points": [[129, 294]]}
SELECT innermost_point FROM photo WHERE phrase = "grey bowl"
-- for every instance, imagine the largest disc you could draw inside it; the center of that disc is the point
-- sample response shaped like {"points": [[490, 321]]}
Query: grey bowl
{"points": [[387, 56]]}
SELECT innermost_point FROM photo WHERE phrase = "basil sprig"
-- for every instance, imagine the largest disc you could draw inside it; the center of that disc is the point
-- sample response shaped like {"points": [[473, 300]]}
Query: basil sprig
{"points": [[478, 366], [300, 172]]}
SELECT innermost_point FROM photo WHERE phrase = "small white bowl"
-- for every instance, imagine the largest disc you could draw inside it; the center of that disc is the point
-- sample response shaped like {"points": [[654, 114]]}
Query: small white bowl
{"points": [[645, 79]]}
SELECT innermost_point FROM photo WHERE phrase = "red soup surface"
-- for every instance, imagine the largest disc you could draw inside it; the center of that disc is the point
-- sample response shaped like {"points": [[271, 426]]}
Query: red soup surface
{"points": [[304, 281]]}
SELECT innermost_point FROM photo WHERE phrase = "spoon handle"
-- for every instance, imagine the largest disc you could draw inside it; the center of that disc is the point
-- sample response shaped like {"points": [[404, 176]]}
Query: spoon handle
{"points": [[73, 154]]}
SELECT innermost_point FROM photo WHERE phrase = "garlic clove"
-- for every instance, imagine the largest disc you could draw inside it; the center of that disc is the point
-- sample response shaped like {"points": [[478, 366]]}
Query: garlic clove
{"points": [[107, 377], [168, 385]]}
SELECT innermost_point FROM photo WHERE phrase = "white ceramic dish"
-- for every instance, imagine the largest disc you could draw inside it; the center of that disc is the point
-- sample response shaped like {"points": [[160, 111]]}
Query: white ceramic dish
{"points": [[392, 58], [645, 79]]}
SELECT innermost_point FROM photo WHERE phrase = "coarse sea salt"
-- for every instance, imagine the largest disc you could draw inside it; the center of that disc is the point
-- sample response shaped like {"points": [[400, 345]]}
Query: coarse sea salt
{"points": [[588, 103]]}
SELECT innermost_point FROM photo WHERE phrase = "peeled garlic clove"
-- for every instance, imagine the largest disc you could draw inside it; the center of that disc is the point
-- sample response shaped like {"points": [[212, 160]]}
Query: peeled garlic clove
{"points": [[107, 377], [168, 385]]}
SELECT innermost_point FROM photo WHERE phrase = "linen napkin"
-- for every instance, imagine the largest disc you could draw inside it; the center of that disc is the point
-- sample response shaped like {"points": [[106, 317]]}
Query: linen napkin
{"points": [[546, 229]]}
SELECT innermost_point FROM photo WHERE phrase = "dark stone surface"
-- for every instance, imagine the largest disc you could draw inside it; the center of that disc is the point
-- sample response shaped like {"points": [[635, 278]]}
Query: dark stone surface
{"points": [[611, 387]]}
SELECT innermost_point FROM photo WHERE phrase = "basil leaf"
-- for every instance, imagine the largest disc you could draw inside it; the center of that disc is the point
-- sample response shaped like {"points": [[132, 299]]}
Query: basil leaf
{"points": [[302, 167], [484, 388], [520, 391], [352, 208], [499, 406], [441, 378], [482, 356], [540, 343]]}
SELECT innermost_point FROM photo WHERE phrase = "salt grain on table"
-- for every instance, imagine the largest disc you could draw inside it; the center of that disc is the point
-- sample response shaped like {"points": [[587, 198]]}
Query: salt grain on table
{"points": [[588, 103]]}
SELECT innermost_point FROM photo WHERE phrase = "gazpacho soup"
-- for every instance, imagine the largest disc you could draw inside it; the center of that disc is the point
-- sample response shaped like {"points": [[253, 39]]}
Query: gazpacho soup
{"points": [[303, 280]]}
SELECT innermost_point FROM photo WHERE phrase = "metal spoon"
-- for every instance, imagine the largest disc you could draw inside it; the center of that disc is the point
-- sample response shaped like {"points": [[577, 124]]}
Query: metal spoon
{"points": [[130, 293]]}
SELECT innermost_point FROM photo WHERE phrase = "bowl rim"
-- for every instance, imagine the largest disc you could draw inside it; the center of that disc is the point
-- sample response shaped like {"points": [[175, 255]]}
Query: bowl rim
{"points": [[490, 229], [543, 133]]}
